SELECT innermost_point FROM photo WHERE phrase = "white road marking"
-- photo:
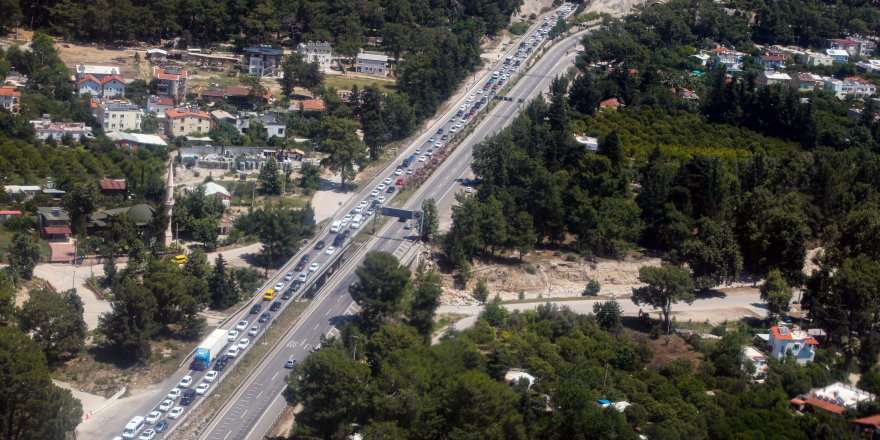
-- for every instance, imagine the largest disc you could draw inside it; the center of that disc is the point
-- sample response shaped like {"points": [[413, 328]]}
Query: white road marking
{"points": [[242, 414], [273, 378], [261, 392], [227, 435], [316, 326]]}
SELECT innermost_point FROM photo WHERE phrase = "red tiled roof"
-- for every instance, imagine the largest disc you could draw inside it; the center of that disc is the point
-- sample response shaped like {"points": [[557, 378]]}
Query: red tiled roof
{"points": [[870, 420], [844, 41], [161, 73], [811, 341], [780, 336], [237, 90], [10, 212], [772, 58], [89, 77], [54, 230], [613, 102], [112, 184], [9, 91], [827, 406], [311, 105], [175, 113], [212, 92], [163, 101], [109, 78]]}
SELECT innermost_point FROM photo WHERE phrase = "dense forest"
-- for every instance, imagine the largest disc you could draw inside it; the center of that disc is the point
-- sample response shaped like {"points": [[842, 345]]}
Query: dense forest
{"points": [[382, 380]]}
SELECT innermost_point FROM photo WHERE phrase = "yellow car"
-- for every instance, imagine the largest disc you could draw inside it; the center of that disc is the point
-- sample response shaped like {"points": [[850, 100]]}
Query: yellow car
{"points": [[269, 295], [180, 259]]}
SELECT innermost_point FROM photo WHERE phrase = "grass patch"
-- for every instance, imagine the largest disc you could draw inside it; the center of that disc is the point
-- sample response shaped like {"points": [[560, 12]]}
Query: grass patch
{"points": [[206, 411], [519, 28], [346, 82]]}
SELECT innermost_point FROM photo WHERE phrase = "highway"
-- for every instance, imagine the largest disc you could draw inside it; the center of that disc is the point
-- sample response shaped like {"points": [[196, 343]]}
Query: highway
{"points": [[251, 411], [257, 403]]}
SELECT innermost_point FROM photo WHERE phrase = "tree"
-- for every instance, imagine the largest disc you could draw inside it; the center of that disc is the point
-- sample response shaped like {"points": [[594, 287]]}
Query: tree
{"points": [[225, 133], [425, 299], [221, 285], [608, 315], [270, 178], [713, 254], [521, 235], [23, 254], [382, 284], [593, 288], [300, 73], [7, 298], [665, 286], [129, 325], [55, 324], [310, 175], [776, 293], [430, 219], [334, 391], [342, 147], [481, 291], [280, 229], [583, 95], [80, 203], [33, 407]]}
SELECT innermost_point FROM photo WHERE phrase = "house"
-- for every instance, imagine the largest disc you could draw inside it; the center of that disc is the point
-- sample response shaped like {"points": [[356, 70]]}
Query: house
{"points": [[119, 114], [308, 105], [867, 427], [106, 87], [513, 377], [854, 45], [731, 60], [263, 61], [772, 61], [181, 122], [590, 143], [171, 82], [850, 86], [222, 116], [158, 105], [112, 187], [835, 398], [870, 66], [45, 129], [816, 59], [807, 82], [98, 72], [757, 359], [157, 55], [240, 96], [141, 214], [794, 341], [702, 58], [54, 223], [372, 64], [769, 78], [7, 214], [609, 104], [136, 140], [316, 52], [838, 55], [10, 99], [275, 126]]}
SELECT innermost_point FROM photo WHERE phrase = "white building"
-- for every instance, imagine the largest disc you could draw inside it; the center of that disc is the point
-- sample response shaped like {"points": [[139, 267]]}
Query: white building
{"points": [[837, 55], [850, 86], [263, 61], [835, 398], [10, 99], [107, 87], [98, 72], [45, 129], [317, 52], [372, 64], [870, 66], [757, 359], [816, 59], [769, 78], [119, 115], [794, 341]]}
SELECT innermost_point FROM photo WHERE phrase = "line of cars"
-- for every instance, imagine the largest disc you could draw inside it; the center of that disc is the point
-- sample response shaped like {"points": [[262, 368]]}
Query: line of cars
{"points": [[158, 420]]}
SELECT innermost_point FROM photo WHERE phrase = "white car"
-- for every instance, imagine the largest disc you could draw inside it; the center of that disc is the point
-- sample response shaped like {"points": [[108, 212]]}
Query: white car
{"points": [[279, 286], [398, 171], [202, 388], [344, 222], [330, 250], [149, 434], [232, 335], [440, 144], [166, 405], [211, 376], [480, 91], [243, 343], [381, 199], [453, 129], [173, 394], [233, 351], [175, 413], [185, 382], [153, 417], [458, 126], [347, 218], [313, 267], [423, 158], [431, 139], [254, 330], [241, 326], [363, 204], [471, 98], [418, 151], [381, 186], [409, 171], [468, 190], [374, 193], [388, 181], [288, 276]]}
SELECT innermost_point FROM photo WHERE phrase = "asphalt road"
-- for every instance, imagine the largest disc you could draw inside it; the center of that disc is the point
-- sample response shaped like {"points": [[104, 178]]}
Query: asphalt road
{"points": [[252, 410]]}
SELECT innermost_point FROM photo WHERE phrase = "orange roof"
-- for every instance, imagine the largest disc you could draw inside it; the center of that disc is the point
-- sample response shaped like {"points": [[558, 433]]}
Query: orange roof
{"points": [[161, 73], [112, 184], [182, 113], [237, 90], [311, 105], [162, 101], [721, 49], [109, 78], [89, 77], [9, 91], [613, 102], [870, 420], [52, 230], [822, 404]]}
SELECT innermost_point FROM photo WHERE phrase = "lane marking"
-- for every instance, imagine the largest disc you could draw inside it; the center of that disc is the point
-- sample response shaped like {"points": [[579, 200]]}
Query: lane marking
{"points": [[242, 414], [273, 377]]}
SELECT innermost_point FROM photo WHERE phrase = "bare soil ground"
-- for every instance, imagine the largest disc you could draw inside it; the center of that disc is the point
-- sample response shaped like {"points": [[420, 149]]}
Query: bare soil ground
{"points": [[666, 349]]}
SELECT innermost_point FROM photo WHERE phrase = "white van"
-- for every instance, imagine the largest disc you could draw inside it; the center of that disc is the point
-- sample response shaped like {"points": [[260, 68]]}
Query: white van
{"points": [[356, 222], [334, 228], [133, 427]]}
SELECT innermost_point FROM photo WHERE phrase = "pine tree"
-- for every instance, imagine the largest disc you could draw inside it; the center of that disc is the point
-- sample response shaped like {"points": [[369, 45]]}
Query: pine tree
{"points": [[221, 285]]}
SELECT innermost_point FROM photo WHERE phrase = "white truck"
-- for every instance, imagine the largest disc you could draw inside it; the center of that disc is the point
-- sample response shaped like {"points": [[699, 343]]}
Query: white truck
{"points": [[209, 349]]}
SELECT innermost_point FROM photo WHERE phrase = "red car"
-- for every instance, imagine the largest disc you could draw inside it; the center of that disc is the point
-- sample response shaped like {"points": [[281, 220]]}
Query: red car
{"points": [[399, 181]]}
